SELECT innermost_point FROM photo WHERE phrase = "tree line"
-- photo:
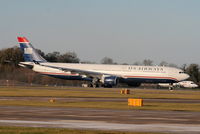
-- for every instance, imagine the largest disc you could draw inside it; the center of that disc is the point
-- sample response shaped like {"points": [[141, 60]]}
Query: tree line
{"points": [[10, 71]]}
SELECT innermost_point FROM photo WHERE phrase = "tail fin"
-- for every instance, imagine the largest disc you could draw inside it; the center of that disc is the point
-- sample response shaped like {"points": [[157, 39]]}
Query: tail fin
{"points": [[29, 52]]}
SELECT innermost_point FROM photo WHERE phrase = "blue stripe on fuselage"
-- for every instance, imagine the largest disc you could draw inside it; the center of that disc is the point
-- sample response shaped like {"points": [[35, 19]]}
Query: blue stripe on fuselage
{"points": [[127, 80], [149, 80]]}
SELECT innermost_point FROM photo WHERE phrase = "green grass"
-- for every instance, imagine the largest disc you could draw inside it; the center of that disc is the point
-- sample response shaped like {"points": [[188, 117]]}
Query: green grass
{"points": [[106, 105], [29, 130], [99, 93]]}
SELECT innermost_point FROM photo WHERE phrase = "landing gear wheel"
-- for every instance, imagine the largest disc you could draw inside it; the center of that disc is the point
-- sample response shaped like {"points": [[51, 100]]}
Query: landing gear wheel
{"points": [[95, 82], [171, 87]]}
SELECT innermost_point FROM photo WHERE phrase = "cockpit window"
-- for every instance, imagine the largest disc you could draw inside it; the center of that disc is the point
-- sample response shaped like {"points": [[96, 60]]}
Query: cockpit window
{"points": [[181, 72]]}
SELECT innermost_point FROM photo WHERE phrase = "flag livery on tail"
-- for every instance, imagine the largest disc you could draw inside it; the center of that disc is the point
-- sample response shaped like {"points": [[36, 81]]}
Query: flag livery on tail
{"points": [[29, 52]]}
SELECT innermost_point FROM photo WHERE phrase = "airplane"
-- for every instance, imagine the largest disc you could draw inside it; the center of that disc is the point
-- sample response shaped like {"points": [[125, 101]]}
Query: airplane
{"points": [[188, 84], [184, 84], [99, 74]]}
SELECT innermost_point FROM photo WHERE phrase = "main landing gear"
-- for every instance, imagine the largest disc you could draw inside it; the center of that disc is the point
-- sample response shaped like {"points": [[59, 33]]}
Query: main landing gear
{"points": [[95, 83], [171, 87]]}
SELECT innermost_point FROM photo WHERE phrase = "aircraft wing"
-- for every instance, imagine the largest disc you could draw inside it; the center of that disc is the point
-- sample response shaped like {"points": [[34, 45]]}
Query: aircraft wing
{"points": [[78, 71]]}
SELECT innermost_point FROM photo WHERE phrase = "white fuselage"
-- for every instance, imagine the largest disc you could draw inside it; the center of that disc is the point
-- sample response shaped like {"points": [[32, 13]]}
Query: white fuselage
{"points": [[188, 84], [185, 84], [124, 71]]}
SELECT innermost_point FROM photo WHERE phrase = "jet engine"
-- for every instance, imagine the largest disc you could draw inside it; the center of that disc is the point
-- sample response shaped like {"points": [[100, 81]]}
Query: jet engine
{"points": [[109, 81]]}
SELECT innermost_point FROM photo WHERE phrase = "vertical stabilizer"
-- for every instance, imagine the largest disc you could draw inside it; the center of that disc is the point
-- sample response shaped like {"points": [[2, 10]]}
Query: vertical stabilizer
{"points": [[29, 52]]}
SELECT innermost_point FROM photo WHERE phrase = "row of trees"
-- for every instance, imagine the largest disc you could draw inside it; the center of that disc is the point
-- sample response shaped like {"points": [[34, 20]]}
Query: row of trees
{"points": [[10, 57], [11, 73], [145, 62]]}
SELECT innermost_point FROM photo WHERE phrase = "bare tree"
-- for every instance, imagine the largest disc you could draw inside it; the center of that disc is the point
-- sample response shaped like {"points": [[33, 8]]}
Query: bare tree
{"points": [[137, 63], [11, 55], [69, 57], [193, 71], [147, 62], [172, 65], [107, 60], [163, 63], [183, 67], [52, 57]]}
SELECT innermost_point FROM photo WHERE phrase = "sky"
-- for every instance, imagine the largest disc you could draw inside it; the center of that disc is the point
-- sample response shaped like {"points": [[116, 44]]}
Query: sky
{"points": [[125, 30]]}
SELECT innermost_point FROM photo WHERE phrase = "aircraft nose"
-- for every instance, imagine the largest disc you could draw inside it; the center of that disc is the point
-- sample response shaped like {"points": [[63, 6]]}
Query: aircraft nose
{"points": [[186, 76]]}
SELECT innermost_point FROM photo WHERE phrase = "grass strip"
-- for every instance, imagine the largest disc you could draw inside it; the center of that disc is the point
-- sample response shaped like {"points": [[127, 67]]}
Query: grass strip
{"points": [[106, 105], [30, 130], [97, 93]]}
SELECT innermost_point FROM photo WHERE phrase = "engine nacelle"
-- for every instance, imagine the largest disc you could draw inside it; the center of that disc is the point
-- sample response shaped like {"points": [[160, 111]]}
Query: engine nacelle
{"points": [[109, 81], [132, 84]]}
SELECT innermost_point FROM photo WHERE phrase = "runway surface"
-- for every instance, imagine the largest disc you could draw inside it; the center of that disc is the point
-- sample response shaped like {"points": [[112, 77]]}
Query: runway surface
{"points": [[100, 119]]}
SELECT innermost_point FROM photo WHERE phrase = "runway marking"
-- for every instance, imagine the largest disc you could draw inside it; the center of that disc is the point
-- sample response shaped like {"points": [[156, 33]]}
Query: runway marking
{"points": [[101, 125]]}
